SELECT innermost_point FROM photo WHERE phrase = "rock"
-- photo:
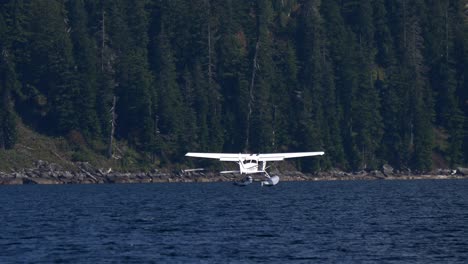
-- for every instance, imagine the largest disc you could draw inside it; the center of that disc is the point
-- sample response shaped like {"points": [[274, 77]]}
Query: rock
{"points": [[442, 172], [31, 174], [387, 170], [40, 181], [66, 175], [140, 175], [55, 174], [337, 173], [41, 164], [378, 174], [406, 171], [18, 175], [122, 178], [360, 173], [146, 180], [87, 181], [86, 167], [11, 181], [55, 167], [462, 171]]}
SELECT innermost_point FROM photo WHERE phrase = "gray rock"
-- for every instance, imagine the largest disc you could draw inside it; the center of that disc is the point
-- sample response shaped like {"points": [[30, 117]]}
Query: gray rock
{"points": [[40, 181], [86, 167], [11, 181], [442, 172], [360, 173], [387, 170], [377, 174], [41, 163], [462, 171], [67, 175], [18, 175]]}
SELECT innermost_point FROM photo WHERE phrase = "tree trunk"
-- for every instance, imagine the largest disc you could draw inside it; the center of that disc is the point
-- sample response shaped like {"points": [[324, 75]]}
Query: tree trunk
{"points": [[210, 62], [251, 98], [111, 138], [103, 38]]}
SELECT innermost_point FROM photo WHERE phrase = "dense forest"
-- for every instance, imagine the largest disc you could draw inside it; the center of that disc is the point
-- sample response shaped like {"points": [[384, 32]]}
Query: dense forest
{"points": [[368, 82]]}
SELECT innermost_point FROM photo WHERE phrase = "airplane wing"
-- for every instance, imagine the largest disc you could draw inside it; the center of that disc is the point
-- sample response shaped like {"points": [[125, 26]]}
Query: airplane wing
{"points": [[220, 156], [282, 156], [259, 157]]}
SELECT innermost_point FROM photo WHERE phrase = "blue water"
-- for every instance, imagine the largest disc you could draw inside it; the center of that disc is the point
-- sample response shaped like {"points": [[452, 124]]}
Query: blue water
{"points": [[301, 222]]}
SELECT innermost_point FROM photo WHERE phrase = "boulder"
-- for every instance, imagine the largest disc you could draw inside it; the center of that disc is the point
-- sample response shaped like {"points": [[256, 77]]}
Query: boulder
{"points": [[387, 170], [360, 173], [462, 171], [18, 175], [40, 181], [377, 174], [334, 172], [123, 178], [146, 180], [442, 172], [85, 166], [66, 175]]}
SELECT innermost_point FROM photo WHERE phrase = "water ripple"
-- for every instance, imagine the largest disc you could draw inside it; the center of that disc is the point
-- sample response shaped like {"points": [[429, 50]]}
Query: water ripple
{"points": [[318, 222]]}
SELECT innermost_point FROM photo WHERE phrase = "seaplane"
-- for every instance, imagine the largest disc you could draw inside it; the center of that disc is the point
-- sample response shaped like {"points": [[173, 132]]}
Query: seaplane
{"points": [[253, 163]]}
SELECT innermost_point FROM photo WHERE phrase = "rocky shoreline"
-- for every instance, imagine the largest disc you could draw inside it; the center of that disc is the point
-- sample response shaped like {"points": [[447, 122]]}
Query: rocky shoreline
{"points": [[51, 173]]}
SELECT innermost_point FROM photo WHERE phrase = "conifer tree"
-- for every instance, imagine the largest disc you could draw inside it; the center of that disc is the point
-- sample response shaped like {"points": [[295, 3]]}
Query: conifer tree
{"points": [[100, 25], [86, 71], [50, 65], [232, 78], [260, 91], [369, 82], [169, 96], [8, 83], [421, 103]]}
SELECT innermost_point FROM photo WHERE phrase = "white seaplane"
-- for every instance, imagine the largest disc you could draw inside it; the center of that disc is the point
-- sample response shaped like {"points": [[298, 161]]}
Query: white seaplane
{"points": [[253, 163]]}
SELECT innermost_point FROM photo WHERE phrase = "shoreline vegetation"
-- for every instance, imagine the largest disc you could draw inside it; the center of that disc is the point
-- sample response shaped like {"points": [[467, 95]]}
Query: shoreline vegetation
{"points": [[133, 85], [38, 159], [52, 173]]}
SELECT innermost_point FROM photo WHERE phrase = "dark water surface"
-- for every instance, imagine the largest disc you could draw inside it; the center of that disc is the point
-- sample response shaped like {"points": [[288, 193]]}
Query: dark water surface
{"points": [[423, 221]]}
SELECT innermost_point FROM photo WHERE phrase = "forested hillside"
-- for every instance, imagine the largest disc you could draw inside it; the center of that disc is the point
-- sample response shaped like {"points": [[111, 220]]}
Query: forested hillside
{"points": [[368, 82]]}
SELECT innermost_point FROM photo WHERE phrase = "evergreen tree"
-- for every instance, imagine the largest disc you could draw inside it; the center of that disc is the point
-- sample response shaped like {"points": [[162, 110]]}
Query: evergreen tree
{"points": [[421, 103], [99, 19], [8, 134], [49, 73], [86, 71], [369, 82], [312, 128], [261, 132], [232, 77], [389, 88], [169, 96], [440, 54]]}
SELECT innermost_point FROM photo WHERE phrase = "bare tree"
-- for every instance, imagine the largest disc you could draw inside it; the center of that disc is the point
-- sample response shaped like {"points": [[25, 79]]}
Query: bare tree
{"points": [[113, 124], [251, 98]]}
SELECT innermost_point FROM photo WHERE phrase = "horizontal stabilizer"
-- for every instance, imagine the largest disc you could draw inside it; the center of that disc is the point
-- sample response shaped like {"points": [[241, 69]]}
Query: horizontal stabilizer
{"points": [[223, 172]]}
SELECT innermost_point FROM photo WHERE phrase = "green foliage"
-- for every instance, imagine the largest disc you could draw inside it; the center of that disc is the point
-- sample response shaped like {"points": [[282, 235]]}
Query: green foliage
{"points": [[8, 84]]}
